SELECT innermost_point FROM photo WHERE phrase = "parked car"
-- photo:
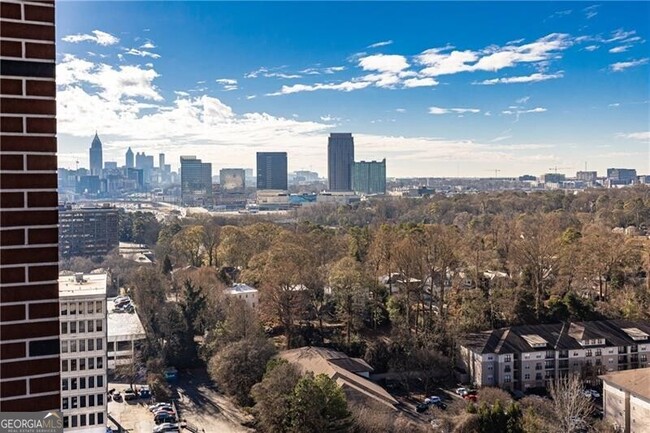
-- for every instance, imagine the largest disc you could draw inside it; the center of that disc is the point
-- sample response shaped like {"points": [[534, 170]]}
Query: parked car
{"points": [[117, 396], [433, 400], [421, 407], [165, 418], [594, 393], [167, 427], [470, 397], [159, 405], [130, 394], [164, 411], [144, 392], [461, 391]]}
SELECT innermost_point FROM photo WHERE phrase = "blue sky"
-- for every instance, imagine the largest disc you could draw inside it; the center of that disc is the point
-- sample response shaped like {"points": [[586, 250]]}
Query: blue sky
{"points": [[438, 89]]}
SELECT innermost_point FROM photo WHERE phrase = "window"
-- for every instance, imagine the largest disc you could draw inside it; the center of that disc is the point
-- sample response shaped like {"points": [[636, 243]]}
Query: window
{"points": [[100, 418], [91, 363], [73, 365], [73, 418], [100, 400], [73, 384], [91, 400], [538, 366], [82, 364], [91, 345], [527, 367], [82, 383], [98, 307], [538, 376], [100, 381], [98, 325], [599, 352], [100, 362], [643, 358], [507, 378], [73, 346], [64, 384], [91, 418], [489, 358], [575, 353], [527, 376], [91, 307], [82, 419], [508, 358], [64, 365], [82, 326], [82, 307], [110, 346], [82, 345], [91, 382], [82, 401], [63, 308], [73, 327], [64, 327], [588, 352], [64, 404], [74, 402], [490, 367], [99, 344], [66, 422], [64, 346], [91, 325], [73, 308]]}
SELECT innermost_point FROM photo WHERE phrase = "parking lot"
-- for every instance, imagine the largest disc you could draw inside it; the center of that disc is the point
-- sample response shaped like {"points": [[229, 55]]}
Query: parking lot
{"points": [[132, 416]]}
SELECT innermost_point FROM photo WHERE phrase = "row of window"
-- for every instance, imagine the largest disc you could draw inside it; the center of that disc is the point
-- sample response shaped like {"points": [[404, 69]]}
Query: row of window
{"points": [[538, 376], [83, 420], [82, 326], [81, 364], [588, 352], [82, 345], [82, 383], [89, 307], [82, 401]]}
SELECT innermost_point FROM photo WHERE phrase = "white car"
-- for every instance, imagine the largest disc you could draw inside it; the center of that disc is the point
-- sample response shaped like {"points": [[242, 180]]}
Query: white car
{"points": [[587, 393], [433, 400], [157, 406], [167, 427], [462, 392], [594, 393]]}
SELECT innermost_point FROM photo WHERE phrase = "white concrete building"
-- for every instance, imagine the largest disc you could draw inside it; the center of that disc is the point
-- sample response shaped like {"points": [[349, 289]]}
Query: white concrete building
{"points": [[626, 400], [82, 307], [246, 293], [125, 333]]}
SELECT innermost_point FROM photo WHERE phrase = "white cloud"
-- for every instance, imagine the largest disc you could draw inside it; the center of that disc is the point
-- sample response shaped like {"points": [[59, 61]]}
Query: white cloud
{"points": [[522, 79], [438, 110], [227, 83], [318, 71], [148, 45], [420, 82], [142, 53], [380, 44], [523, 100], [643, 136], [384, 63], [329, 118], [620, 49], [401, 110], [620, 34], [614, 104], [591, 11], [249, 97], [181, 93], [621, 66], [592, 47], [333, 69], [517, 112], [99, 37], [346, 86]]}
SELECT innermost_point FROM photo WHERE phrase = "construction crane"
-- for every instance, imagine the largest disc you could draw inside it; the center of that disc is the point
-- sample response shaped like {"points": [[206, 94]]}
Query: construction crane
{"points": [[556, 168]]}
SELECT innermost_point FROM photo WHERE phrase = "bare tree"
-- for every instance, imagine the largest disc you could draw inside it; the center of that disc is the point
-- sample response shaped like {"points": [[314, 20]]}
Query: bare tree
{"points": [[571, 407]]}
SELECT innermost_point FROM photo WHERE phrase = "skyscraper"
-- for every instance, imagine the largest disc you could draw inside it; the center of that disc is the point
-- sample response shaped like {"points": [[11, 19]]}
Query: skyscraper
{"points": [[340, 157], [129, 159], [369, 177], [272, 170], [29, 295], [196, 181], [161, 161], [96, 160]]}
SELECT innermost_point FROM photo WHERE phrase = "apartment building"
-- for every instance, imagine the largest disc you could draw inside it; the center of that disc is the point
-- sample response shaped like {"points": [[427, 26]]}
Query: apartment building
{"points": [[248, 294], [82, 308], [29, 323], [88, 232], [523, 357], [626, 400]]}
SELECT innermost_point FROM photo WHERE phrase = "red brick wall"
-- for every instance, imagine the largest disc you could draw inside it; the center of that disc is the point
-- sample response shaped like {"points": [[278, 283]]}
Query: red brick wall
{"points": [[28, 208]]}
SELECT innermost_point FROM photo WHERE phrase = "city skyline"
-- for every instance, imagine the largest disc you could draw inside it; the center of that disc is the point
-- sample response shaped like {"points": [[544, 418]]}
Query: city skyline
{"points": [[446, 95]]}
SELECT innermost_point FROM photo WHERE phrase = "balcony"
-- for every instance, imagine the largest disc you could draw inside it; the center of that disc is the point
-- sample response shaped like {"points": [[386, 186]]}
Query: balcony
{"points": [[563, 365], [622, 359]]}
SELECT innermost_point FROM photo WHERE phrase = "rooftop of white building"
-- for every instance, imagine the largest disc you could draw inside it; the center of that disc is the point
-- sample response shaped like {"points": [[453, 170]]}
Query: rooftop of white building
{"points": [[123, 326], [81, 284], [238, 289]]}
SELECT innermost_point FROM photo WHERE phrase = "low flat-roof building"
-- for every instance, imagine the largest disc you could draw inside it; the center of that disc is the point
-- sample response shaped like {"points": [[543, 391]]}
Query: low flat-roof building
{"points": [[626, 400], [82, 308], [246, 293], [125, 334]]}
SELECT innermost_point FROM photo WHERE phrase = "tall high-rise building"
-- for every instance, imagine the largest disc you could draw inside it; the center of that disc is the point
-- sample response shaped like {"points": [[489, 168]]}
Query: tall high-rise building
{"points": [[96, 158], [29, 295], [196, 181], [88, 232], [340, 157], [272, 170], [161, 161], [129, 159], [369, 177], [82, 306], [621, 176]]}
